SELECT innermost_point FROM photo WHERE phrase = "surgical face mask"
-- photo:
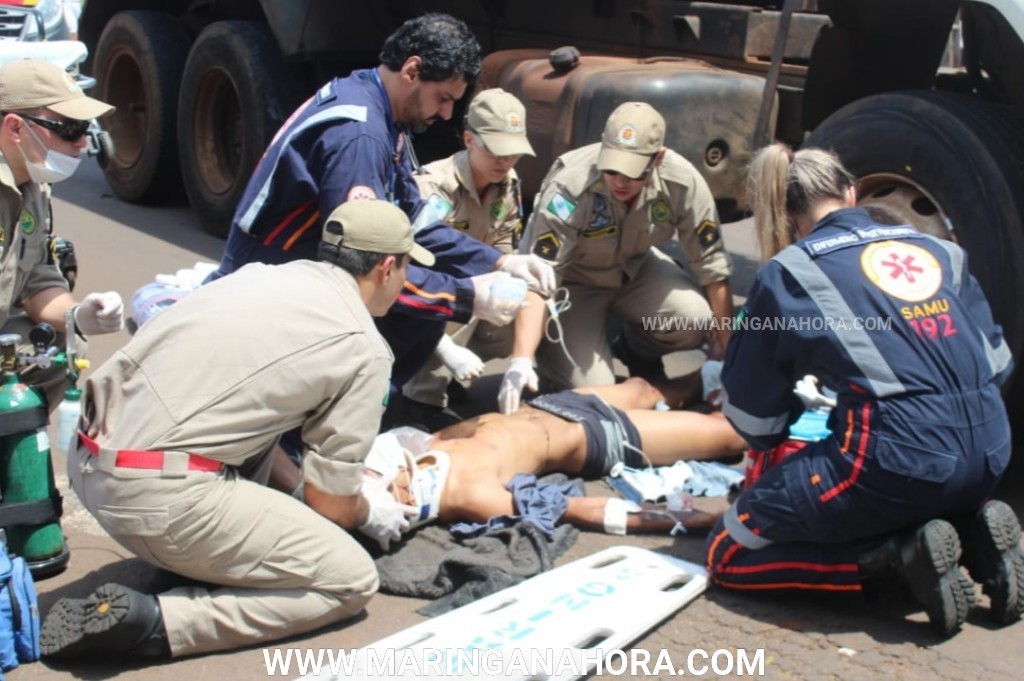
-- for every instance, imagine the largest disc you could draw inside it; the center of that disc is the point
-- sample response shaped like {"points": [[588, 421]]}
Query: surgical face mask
{"points": [[54, 166]]}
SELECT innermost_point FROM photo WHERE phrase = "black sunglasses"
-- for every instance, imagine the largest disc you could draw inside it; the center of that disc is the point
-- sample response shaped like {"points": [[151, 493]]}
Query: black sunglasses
{"points": [[69, 131]]}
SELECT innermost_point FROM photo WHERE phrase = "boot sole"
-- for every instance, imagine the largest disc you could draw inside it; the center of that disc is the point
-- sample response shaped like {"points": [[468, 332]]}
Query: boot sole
{"points": [[994, 560], [72, 622], [935, 577]]}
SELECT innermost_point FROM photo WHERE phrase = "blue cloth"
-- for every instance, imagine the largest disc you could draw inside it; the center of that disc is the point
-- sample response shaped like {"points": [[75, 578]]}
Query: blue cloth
{"points": [[538, 503], [712, 479], [342, 144], [919, 430]]}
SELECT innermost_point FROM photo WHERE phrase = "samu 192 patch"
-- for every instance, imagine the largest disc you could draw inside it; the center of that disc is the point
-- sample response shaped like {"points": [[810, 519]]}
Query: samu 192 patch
{"points": [[708, 233], [27, 222], [546, 246], [561, 207]]}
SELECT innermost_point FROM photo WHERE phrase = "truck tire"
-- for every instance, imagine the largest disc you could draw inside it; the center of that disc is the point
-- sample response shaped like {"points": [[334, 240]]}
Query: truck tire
{"points": [[138, 64], [235, 94], [953, 166]]}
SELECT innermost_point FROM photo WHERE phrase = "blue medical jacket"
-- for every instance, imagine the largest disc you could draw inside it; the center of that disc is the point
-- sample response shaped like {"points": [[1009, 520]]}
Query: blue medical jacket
{"points": [[893, 321], [343, 144]]}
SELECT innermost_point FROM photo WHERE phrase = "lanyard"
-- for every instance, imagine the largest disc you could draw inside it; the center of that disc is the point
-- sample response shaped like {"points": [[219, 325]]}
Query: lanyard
{"points": [[395, 136]]}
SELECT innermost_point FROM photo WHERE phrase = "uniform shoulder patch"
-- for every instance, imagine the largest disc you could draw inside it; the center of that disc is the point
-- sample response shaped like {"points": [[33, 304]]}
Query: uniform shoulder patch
{"points": [[499, 210], [326, 93], [546, 246], [461, 225], [561, 207], [27, 222], [708, 233], [660, 211], [361, 193]]}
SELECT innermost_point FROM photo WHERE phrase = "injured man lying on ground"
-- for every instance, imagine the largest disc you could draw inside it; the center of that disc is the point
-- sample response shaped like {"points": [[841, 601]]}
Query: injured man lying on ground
{"points": [[463, 473]]}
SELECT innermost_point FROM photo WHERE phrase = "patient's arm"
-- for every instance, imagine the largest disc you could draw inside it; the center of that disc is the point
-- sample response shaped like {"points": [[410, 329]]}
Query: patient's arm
{"points": [[475, 503], [588, 513]]}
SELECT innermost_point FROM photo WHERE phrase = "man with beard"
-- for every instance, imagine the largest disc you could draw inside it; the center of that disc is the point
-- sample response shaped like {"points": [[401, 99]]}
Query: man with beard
{"points": [[350, 141]]}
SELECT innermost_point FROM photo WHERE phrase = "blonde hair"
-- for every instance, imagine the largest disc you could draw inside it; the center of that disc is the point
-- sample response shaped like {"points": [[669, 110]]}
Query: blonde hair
{"points": [[783, 185]]}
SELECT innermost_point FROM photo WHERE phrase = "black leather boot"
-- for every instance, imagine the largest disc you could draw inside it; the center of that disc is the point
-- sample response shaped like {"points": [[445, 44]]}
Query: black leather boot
{"points": [[993, 557], [114, 619], [929, 566]]}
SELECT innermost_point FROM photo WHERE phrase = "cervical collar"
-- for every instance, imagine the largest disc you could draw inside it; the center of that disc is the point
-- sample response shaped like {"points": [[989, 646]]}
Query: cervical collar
{"points": [[428, 485], [387, 456]]}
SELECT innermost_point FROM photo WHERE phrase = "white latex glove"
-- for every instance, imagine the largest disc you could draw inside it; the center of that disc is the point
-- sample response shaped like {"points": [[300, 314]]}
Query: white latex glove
{"points": [[498, 297], [807, 390], [519, 375], [388, 518], [711, 378], [100, 313], [532, 269], [464, 364]]}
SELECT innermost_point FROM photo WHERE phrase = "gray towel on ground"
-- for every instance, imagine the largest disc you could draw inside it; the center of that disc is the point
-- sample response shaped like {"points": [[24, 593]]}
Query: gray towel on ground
{"points": [[432, 564]]}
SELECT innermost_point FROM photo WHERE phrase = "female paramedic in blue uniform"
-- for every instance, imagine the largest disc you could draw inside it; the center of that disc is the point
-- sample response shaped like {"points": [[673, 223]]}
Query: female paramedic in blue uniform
{"points": [[893, 321]]}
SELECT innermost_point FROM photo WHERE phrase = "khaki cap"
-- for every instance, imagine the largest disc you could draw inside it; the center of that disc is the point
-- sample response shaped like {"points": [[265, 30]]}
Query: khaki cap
{"points": [[31, 84], [500, 120], [634, 133], [373, 226]]}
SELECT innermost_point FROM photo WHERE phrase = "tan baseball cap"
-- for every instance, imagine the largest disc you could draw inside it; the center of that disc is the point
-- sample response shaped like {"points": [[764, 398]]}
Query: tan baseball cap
{"points": [[500, 120], [634, 133], [31, 83], [374, 226]]}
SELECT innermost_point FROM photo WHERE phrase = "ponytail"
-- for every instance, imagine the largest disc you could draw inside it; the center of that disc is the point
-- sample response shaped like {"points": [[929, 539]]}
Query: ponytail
{"points": [[766, 189], [782, 185]]}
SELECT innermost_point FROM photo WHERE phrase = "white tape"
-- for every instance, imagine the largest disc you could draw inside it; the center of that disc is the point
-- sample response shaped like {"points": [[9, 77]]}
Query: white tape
{"points": [[615, 513]]}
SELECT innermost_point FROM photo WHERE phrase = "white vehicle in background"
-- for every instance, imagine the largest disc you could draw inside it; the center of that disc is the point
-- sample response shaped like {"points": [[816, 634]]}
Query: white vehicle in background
{"points": [[32, 20]]}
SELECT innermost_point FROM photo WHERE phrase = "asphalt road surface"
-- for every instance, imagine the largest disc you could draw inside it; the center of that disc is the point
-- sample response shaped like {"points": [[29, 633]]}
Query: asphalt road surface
{"points": [[804, 636]]}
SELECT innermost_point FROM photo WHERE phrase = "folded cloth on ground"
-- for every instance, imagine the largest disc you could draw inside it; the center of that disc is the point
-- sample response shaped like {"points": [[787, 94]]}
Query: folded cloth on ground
{"points": [[433, 564]]}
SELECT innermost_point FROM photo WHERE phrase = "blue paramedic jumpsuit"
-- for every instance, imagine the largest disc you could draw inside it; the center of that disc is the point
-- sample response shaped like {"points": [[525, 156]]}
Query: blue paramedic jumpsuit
{"points": [[342, 145], [919, 430]]}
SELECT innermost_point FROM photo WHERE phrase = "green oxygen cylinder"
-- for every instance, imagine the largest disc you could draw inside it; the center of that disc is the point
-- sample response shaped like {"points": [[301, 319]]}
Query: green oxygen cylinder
{"points": [[29, 511]]}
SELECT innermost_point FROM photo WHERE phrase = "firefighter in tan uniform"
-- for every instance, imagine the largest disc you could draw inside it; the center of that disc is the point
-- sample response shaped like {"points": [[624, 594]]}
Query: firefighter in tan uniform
{"points": [[477, 192], [600, 214], [176, 441], [44, 117]]}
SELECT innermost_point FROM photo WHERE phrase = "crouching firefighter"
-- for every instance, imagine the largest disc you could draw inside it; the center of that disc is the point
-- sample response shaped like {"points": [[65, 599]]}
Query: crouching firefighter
{"points": [[893, 322], [177, 439]]}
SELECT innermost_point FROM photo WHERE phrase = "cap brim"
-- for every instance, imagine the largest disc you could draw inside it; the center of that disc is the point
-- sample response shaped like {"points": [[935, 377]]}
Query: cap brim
{"points": [[421, 256], [507, 145], [625, 162], [81, 108]]}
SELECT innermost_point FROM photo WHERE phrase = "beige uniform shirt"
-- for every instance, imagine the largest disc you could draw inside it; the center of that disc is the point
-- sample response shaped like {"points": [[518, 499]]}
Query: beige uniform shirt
{"points": [[495, 219], [592, 238], [244, 359], [24, 236]]}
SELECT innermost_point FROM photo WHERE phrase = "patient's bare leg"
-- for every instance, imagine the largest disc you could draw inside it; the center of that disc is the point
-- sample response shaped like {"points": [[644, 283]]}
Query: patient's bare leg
{"points": [[637, 393], [670, 436]]}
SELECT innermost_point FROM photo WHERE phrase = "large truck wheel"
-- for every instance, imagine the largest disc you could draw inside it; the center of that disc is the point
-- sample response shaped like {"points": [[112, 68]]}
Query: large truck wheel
{"points": [[235, 94], [138, 64], [952, 166]]}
